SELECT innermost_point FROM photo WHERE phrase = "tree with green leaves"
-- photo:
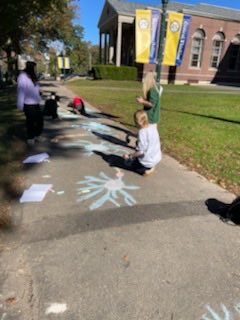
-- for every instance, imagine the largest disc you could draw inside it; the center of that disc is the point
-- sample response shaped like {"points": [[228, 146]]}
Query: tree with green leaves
{"points": [[33, 23]]}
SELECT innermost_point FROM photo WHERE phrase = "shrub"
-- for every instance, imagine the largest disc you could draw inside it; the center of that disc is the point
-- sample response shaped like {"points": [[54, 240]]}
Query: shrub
{"points": [[110, 72]]}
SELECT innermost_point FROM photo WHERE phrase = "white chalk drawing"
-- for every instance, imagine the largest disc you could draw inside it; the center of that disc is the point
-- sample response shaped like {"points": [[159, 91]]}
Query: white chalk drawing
{"points": [[93, 126], [89, 147], [237, 308], [224, 314], [46, 176], [59, 193], [56, 308], [68, 116], [112, 189]]}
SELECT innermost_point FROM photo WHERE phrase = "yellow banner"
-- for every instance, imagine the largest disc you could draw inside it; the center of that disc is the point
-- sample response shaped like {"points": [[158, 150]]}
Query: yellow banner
{"points": [[143, 35], [172, 38], [63, 64]]}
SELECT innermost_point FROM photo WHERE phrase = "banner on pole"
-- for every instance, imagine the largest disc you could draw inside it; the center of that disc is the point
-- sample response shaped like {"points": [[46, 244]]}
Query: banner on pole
{"points": [[183, 39], [147, 31], [176, 38], [63, 63]]}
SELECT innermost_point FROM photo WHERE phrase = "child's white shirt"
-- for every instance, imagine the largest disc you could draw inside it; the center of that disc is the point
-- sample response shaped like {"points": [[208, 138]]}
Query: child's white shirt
{"points": [[149, 145]]}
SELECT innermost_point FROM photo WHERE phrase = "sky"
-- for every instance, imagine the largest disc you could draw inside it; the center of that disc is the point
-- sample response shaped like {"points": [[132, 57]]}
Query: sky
{"points": [[90, 11]]}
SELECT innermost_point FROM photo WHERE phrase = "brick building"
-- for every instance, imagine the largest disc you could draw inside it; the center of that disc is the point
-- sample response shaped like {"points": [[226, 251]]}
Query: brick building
{"points": [[212, 53]]}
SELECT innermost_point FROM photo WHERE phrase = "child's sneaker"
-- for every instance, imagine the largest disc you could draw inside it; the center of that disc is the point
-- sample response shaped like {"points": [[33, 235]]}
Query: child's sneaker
{"points": [[148, 172]]}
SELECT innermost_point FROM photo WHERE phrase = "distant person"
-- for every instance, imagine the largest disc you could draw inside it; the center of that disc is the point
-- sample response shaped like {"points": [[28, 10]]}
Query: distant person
{"points": [[51, 106], [148, 150], [150, 99], [28, 100]]}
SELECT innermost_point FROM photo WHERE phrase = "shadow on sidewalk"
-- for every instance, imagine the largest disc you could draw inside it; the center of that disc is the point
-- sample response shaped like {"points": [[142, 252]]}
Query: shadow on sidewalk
{"points": [[111, 139], [115, 161], [227, 212]]}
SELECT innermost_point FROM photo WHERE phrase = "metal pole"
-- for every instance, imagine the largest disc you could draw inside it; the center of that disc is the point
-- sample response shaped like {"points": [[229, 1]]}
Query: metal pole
{"points": [[63, 65], [161, 38]]}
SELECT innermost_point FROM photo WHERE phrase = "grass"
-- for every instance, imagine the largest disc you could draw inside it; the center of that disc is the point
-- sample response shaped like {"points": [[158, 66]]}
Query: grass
{"points": [[200, 125], [12, 148]]}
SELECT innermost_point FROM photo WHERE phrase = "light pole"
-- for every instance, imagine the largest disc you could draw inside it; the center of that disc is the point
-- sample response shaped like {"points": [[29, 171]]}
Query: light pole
{"points": [[63, 53], [161, 38]]}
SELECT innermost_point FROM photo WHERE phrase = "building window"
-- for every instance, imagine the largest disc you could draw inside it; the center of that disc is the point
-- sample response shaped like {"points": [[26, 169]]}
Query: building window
{"points": [[218, 41], [234, 55], [197, 48]]}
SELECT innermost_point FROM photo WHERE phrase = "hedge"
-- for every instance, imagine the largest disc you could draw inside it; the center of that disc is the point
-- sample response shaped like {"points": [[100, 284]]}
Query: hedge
{"points": [[110, 72]]}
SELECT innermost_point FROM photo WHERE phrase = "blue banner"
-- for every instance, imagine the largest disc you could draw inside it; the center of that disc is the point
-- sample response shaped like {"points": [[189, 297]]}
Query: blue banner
{"points": [[154, 36], [183, 39]]}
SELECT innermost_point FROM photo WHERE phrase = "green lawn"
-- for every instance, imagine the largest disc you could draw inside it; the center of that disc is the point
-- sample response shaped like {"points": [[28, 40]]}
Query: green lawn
{"points": [[200, 125]]}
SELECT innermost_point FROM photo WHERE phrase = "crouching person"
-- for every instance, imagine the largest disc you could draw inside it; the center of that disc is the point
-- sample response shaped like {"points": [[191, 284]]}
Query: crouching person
{"points": [[51, 106], [78, 105], [148, 151]]}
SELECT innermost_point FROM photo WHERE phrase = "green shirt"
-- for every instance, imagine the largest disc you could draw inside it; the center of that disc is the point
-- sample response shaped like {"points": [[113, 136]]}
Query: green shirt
{"points": [[153, 112]]}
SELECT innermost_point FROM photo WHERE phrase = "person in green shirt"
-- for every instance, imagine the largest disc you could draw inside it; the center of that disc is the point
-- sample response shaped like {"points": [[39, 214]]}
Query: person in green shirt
{"points": [[150, 100], [151, 97]]}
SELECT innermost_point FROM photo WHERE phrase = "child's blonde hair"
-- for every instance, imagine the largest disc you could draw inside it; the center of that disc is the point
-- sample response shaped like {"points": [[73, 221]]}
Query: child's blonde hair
{"points": [[149, 81], [141, 118]]}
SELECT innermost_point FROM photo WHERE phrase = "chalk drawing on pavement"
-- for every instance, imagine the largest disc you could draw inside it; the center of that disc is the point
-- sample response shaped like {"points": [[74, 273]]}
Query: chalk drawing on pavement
{"points": [[56, 308], [92, 126], [224, 314], [109, 189], [3, 316], [89, 147]]}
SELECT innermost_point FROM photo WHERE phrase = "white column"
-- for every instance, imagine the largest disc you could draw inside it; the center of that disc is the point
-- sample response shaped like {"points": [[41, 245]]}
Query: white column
{"points": [[111, 47], [105, 48], [100, 47], [119, 44]]}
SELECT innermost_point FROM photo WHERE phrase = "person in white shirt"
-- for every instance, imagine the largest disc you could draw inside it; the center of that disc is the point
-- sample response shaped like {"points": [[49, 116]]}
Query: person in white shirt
{"points": [[28, 101], [148, 151]]}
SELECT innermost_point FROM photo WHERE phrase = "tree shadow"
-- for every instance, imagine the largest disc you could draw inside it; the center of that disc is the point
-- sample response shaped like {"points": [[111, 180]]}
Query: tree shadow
{"points": [[119, 129], [203, 116], [112, 139], [104, 115]]}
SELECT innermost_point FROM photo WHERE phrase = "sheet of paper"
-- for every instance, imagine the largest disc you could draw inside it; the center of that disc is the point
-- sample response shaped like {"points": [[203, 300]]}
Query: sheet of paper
{"points": [[35, 193], [32, 196], [37, 158], [40, 187]]}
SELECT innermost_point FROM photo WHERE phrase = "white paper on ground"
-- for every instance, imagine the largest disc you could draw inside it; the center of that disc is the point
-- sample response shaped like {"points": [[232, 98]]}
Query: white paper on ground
{"points": [[37, 158], [35, 193]]}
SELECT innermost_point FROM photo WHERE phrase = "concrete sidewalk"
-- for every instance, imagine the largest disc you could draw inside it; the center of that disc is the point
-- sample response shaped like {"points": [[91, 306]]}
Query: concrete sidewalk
{"points": [[106, 243]]}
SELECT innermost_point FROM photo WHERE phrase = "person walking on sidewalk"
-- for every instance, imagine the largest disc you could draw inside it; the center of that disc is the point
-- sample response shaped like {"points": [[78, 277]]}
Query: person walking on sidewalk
{"points": [[28, 100], [148, 150]]}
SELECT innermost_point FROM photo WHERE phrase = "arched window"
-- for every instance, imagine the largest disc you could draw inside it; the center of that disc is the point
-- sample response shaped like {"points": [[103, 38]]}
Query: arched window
{"points": [[234, 54], [217, 47], [197, 48]]}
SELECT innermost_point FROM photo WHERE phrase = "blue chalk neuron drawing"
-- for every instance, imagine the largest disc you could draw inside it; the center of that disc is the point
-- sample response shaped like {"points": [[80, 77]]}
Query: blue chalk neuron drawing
{"points": [[111, 190], [93, 126], [89, 147], [225, 314]]}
